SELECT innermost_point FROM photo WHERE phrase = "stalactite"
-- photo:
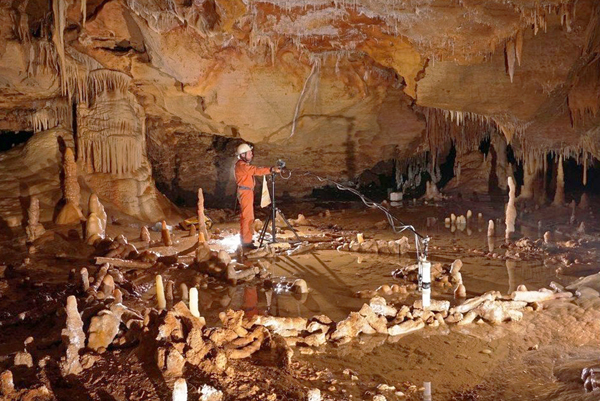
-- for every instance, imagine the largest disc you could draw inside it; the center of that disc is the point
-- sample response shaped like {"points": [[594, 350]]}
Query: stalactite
{"points": [[584, 171], [519, 46], [83, 12], [510, 58], [559, 195], [111, 137], [51, 114], [584, 96], [106, 80], [464, 129], [20, 22], [42, 58], [59, 12], [314, 73]]}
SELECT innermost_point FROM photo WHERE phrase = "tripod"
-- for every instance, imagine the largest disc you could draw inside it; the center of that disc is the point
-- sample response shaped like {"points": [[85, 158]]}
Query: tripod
{"points": [[271, 219]]}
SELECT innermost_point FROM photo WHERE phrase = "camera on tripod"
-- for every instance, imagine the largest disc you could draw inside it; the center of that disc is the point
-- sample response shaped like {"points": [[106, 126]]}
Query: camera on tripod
{"points": [[280, 164]]}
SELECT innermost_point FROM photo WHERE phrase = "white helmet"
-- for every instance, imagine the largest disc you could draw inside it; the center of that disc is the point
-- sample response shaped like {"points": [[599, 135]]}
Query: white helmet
{"points": [[243, 148]]}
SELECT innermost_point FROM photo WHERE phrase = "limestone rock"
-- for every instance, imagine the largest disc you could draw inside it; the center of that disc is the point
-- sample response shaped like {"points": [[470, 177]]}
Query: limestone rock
{"points": [[406, 327], [104, 327]]}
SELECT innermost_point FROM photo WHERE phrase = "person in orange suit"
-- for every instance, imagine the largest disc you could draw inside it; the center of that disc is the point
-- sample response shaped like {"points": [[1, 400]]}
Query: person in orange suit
{"points": [[244, 178]]}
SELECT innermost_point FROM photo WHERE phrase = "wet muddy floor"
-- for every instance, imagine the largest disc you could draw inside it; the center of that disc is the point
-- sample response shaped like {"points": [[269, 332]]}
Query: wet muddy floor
{"points": [[540, 357]]}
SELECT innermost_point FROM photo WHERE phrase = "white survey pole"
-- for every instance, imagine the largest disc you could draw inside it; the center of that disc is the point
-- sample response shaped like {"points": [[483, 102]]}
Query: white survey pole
{"points": [[427, 391], [426, 281]]}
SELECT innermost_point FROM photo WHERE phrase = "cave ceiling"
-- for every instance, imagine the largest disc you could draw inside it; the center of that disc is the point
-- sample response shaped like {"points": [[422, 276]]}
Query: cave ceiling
{"points": [[291, 74]]}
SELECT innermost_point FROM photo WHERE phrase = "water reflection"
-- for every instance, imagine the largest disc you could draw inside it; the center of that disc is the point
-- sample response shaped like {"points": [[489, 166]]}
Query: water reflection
{"points": [[491, 242], [510, 268]]}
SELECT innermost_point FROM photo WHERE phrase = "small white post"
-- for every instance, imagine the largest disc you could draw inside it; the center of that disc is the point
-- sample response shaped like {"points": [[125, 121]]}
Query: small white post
{"points": [[426, 282], [427, 391]]}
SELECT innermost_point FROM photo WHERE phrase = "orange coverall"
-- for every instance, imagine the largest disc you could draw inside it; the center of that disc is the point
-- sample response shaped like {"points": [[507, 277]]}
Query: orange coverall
{"points": [[244, 178]]}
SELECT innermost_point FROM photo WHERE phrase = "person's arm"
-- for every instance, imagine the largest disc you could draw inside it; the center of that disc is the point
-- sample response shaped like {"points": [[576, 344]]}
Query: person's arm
{"points": [[253, 170]]}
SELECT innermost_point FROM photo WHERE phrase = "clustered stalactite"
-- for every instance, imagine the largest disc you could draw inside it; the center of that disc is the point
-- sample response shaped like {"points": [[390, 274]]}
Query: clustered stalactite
{"points": [[51, 114], [111, 128]]}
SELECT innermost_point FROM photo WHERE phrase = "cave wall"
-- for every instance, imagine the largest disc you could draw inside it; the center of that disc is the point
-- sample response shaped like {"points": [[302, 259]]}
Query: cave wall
{"points": [[332, 88]]}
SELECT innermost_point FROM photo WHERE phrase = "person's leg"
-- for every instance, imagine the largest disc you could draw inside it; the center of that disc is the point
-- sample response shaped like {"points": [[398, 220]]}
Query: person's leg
{"points": [[247, 216]]}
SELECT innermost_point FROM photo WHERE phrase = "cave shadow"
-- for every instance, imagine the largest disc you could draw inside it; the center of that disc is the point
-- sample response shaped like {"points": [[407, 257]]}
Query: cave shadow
{"points": [[24, 202], [350, 145], [62, 148], [493, 187], [66, 388]]}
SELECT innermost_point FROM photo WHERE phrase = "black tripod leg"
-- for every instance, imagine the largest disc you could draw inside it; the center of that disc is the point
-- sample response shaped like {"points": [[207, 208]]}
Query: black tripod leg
{"points": [[263, 231], [289, 225]]}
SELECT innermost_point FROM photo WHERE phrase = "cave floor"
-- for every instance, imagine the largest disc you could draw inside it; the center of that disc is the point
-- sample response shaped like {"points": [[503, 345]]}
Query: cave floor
{"points": [[539, 357]]}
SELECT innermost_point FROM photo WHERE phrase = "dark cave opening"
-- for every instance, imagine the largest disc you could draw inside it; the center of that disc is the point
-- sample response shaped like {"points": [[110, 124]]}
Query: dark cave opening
{"points": [[10, 139]]}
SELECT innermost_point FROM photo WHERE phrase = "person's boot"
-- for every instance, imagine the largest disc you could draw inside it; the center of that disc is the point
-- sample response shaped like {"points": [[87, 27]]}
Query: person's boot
{"points": [[249, 246]]}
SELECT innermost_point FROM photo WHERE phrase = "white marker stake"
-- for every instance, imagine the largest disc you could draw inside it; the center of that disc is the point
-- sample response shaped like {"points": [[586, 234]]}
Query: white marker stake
{"points": [[426, 279]]}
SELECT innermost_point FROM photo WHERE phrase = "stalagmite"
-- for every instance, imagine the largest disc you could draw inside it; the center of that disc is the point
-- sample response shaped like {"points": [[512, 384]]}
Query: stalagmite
{"points": [[85, 280], [180, 392], [169, 291], [166, 234], [584, 201], [160, 293], [184, 291], [71, 212], [94, 206], [93, 229], [460, 291], [201, 216], [531, 168], [7, 386], [145, 234], [73, 338], [108, 285], [547, 237], [118, 295], [34, 228], [511, 211], [193, 299], [559, 195], [490, 230]]}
